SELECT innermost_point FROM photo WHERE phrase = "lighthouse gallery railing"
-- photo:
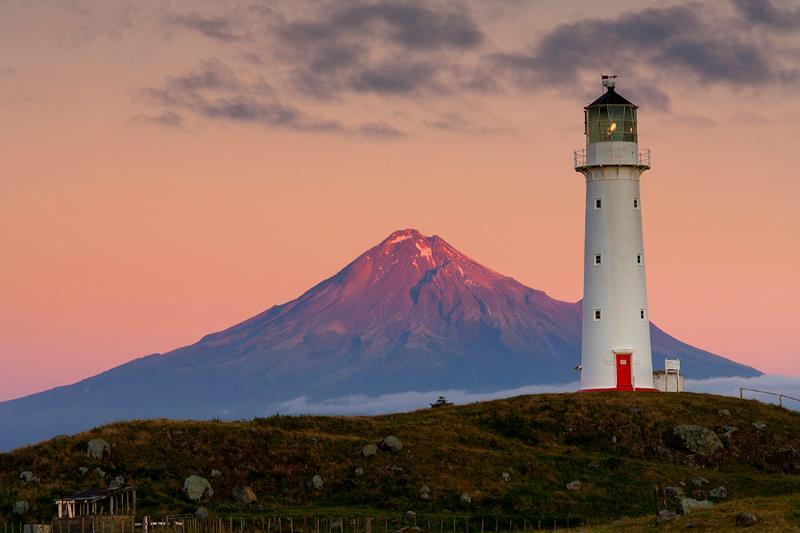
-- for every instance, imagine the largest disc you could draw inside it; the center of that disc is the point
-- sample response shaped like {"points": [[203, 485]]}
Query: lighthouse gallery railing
{"points": [[642, 158]]}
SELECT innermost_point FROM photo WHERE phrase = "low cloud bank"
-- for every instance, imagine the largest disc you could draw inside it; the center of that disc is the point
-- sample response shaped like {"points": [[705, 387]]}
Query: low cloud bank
{"points": [[359, 404]]}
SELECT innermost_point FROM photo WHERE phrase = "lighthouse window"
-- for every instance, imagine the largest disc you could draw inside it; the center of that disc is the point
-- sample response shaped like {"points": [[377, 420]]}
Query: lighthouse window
{"points": [[598, 203], [636, 203], [638, 259], [642, 314], [598, 259], [597, 314]]}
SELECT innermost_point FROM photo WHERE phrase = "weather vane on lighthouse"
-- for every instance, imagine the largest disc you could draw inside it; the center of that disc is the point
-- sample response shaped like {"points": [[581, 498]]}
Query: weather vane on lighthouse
{"points": [[615, 346]]}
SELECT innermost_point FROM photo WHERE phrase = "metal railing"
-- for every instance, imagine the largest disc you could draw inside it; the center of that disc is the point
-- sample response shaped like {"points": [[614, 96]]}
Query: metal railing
{"points": [[780, 396], [642, 158]]}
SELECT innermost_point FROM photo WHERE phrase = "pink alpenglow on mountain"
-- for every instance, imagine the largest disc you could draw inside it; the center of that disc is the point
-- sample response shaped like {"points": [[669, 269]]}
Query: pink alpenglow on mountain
{"points": [[410, 314]]}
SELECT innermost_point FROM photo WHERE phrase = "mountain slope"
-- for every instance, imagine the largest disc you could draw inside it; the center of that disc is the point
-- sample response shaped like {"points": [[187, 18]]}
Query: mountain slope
{"points": [[411, 313]]}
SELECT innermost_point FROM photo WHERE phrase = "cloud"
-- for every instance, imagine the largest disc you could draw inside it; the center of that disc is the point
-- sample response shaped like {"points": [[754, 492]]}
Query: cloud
{"points": [[214, 91], [214, 27], [167, 118], [676, 42], [359, 404], [460, 123], [764, 12]]}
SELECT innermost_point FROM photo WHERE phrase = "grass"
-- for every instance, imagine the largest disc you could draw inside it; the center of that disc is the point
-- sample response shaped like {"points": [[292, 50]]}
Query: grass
{"points": [[618, 445]]}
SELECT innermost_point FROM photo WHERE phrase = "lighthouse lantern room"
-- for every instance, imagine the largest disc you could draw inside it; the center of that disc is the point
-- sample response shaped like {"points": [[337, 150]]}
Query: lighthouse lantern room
{"points": [[615, 349]]}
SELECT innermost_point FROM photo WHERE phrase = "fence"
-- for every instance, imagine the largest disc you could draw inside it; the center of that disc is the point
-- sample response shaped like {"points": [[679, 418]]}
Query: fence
{"points": [[311, 523], [781, 397]]}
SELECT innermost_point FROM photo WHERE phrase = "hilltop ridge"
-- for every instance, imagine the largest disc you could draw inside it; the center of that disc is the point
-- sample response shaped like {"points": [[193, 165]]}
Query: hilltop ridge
{"points": [[619, 446]]}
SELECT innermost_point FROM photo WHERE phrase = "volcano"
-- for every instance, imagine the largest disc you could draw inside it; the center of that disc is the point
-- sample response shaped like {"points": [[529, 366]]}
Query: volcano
{"points": [[410, 314]]}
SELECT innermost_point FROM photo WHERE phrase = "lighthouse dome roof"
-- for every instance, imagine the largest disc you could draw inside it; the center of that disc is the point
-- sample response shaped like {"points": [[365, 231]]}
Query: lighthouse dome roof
{"points": [[611, 97]]}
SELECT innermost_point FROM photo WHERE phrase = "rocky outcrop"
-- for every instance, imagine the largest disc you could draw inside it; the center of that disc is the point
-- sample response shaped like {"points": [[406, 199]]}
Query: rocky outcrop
{"points": [[244, 495], [98, 449], [197, 488], [465, 499], [369, 450], [719, 493], [697, 439], [690, 504], [27, 477], [391, 443], [317, 482]]}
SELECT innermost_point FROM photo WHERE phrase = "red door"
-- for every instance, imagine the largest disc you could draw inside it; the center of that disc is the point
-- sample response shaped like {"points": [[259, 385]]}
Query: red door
{"points": [[624, 372]]}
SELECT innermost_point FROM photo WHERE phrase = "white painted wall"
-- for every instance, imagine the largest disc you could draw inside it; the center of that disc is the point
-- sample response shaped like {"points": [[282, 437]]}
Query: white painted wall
{"points": [[617, 286]]}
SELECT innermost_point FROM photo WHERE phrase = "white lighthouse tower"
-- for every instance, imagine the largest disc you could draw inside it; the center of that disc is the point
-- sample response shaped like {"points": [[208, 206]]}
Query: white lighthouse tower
{"points": [[615, 351]]}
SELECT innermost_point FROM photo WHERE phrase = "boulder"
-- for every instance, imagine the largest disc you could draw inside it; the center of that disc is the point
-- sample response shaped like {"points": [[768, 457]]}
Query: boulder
{"points": [[83, 470], [359, 471], [700, 482], [369, 449], [98, 449], [100, 472], [506, 476], [424, 493], [201, 513], [574, 485], [724, 412], [676, 493], [690, 504], [197, 488], [215, 474], [465, 498], [411, 515], [20, 507], [760, 425], [117, 483], [719, 493], [391, 443], [28, 478], [244, 495], [317, 482], [665, 516], [746, 519], [697, 439]]}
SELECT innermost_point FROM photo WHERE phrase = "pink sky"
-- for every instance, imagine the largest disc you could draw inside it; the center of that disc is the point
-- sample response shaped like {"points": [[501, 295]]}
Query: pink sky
{"points": [[140, 211]]}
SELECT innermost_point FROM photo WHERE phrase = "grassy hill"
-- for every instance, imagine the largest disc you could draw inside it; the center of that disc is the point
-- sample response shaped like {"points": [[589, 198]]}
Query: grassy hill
{"points": [[619, 446]]}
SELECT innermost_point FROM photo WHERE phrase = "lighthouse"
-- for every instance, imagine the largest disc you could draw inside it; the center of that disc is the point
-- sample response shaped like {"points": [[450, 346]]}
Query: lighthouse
{"points": [[615, 344]]}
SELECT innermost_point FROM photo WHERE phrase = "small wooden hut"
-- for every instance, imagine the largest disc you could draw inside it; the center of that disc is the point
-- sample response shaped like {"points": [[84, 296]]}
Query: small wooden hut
{"points": [[103, 502]]}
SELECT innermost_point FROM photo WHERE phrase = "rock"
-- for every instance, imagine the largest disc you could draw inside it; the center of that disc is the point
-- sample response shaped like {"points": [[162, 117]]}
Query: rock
{"points": [[244, 495], [724, 412], [697, 439], [98, 449], [20, 507], [317, 482], [465, 498], [201, 513], [574, 485], [369, 449], [197, 488], [719, 493], [759, 425], [425, 493], [700, 481], [28, 478], [117, 483], [215, 474], [746, 519], [391, 443], [100, 472], [411, 515], [506, 476], [690, 504], [675, 493], [665, 516], [83, 470], [359, 471]]}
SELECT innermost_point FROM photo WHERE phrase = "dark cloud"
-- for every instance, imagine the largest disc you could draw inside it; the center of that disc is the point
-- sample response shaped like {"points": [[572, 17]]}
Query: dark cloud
{"points": [[460, 123], [676, 43], [215, 92], [387, 48], [214, 27], [764, 12]]}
